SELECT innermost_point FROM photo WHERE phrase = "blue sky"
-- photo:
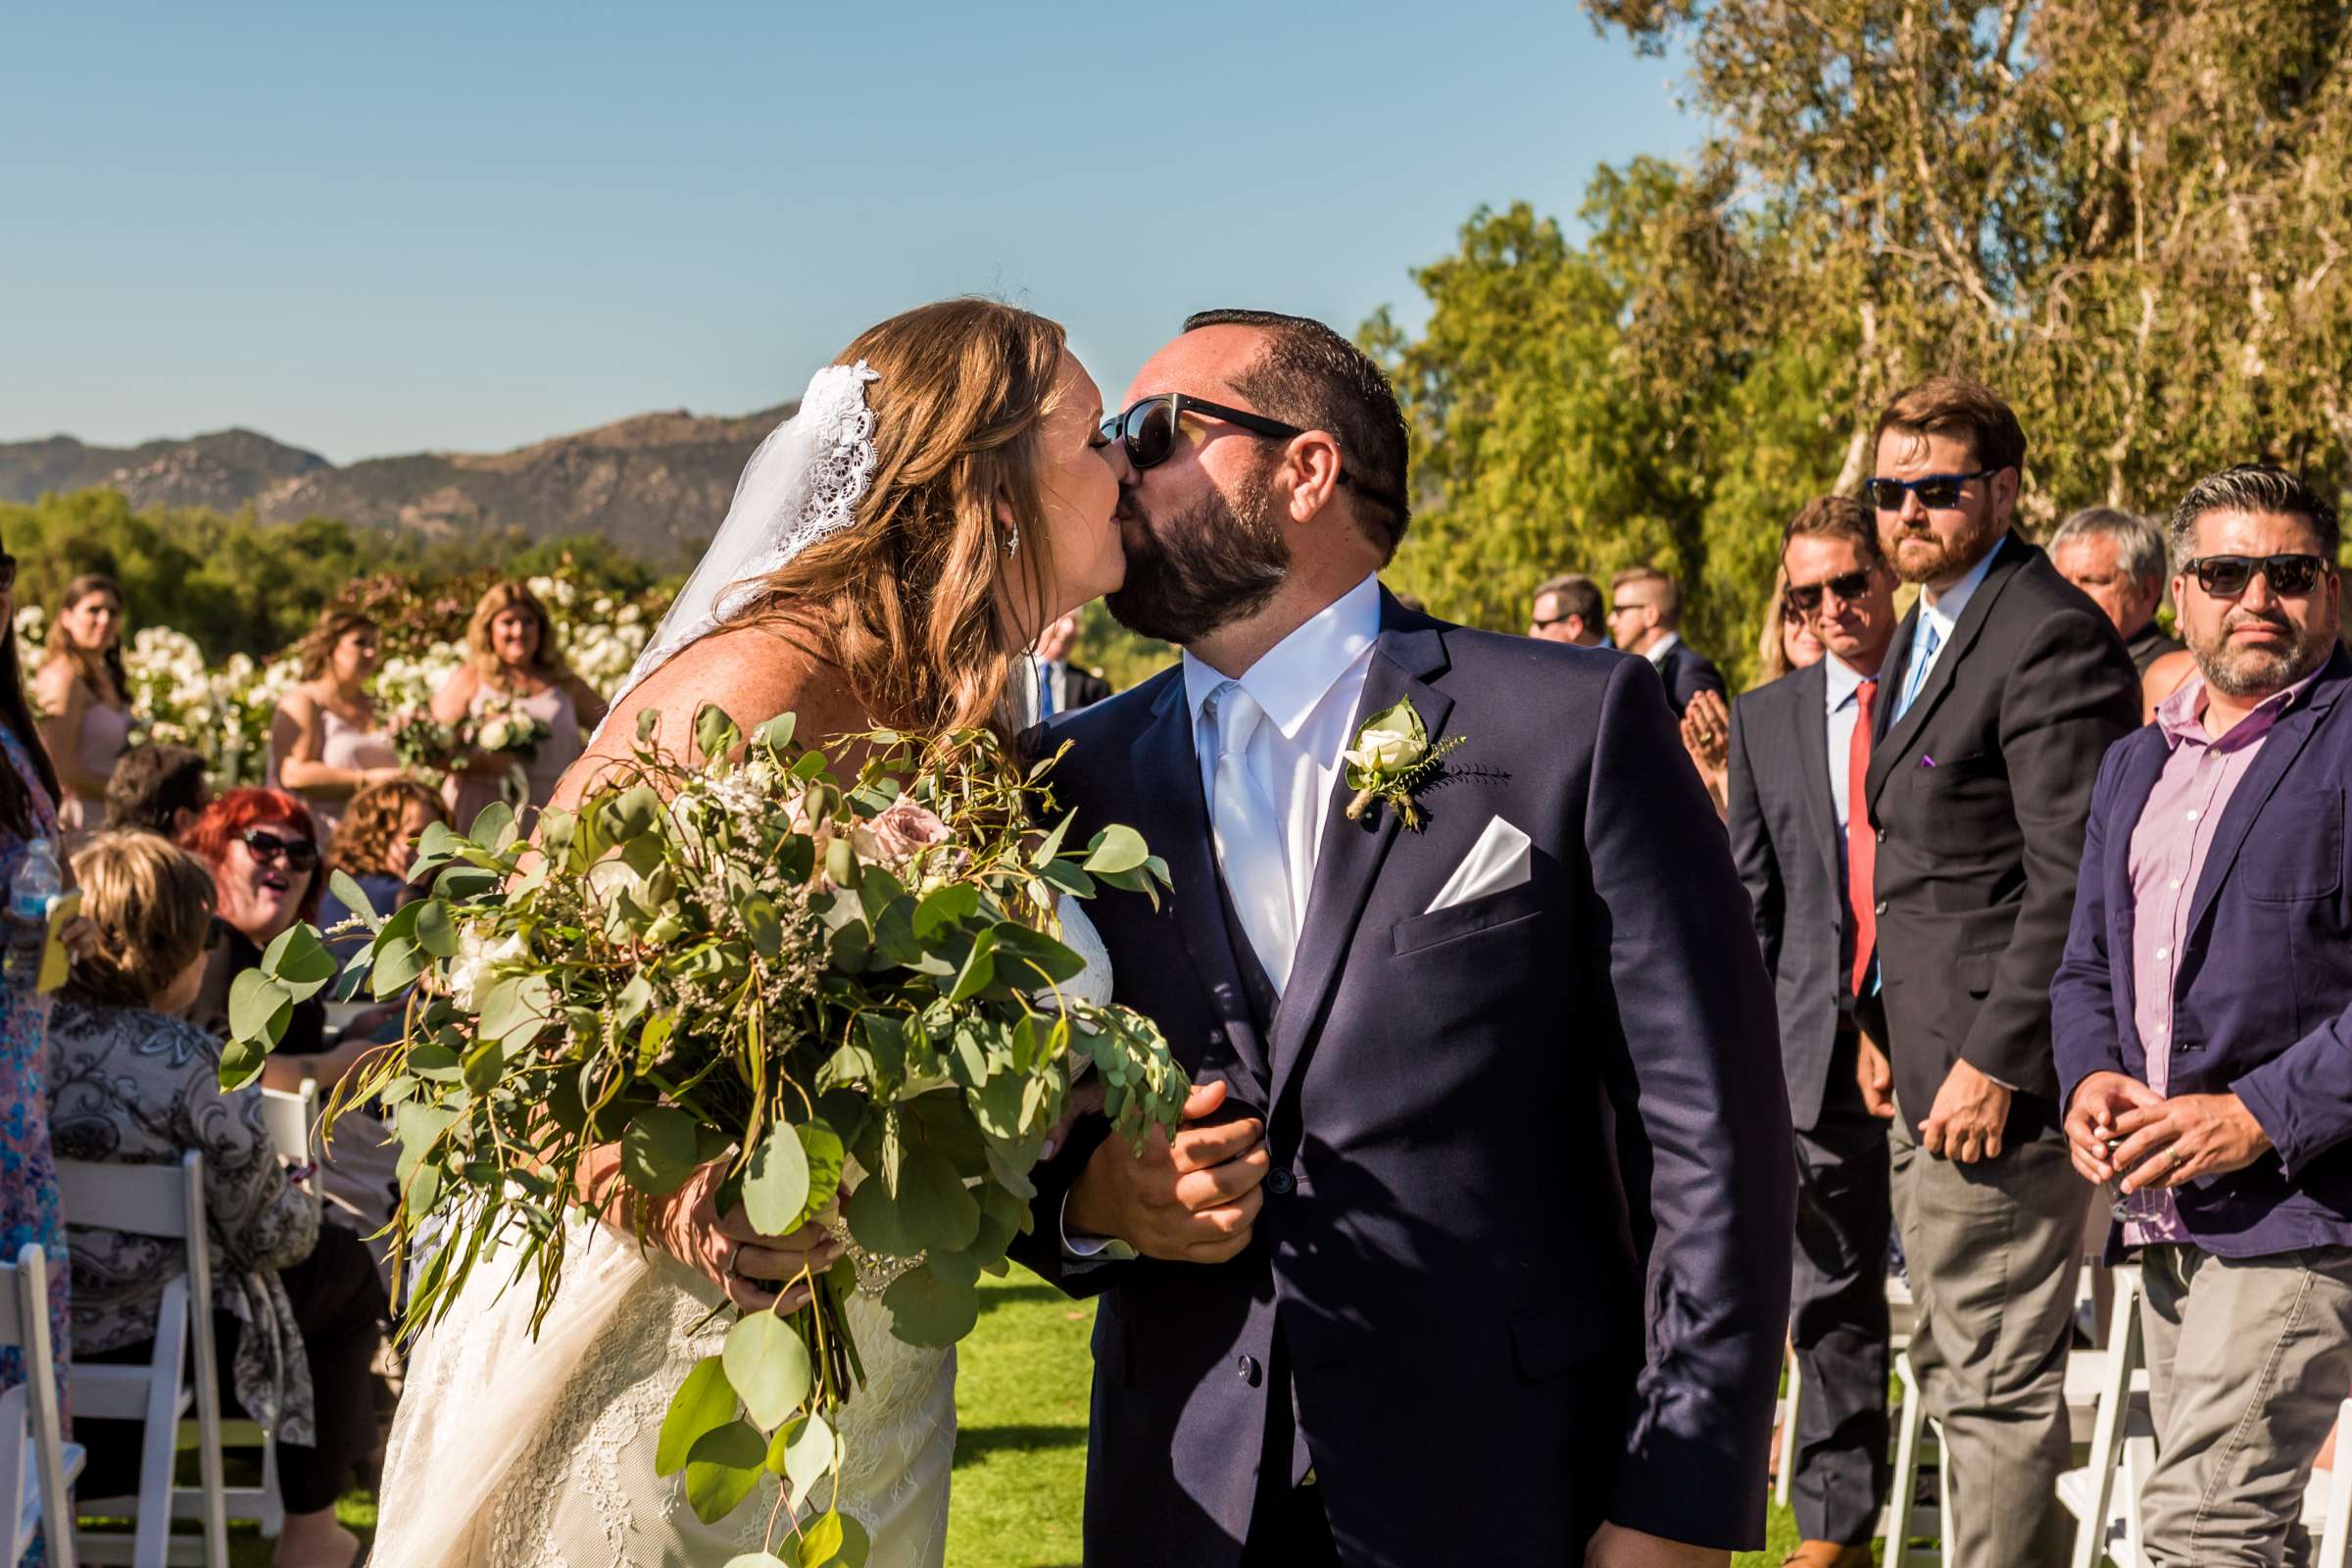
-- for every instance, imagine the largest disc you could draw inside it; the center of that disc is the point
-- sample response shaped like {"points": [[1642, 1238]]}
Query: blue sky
{"points": [[369, 229]]}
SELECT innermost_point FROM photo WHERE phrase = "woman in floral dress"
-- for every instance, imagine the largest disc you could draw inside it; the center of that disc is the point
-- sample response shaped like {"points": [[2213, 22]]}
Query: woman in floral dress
{"points": [[29, 1205]]}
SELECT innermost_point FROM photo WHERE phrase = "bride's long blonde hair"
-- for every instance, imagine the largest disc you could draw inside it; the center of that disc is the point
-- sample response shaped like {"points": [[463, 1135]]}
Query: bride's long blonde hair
{"points": [[924, 603]]}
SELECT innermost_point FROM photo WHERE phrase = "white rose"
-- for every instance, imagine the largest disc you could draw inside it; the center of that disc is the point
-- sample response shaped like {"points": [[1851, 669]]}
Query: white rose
{"points": [[1383, 750], [476, 956]]}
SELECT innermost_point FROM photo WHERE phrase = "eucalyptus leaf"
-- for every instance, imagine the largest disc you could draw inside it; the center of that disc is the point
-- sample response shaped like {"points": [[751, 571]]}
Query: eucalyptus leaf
{"points": [[769, 1368], [936, 1304], [399, 961], [704, 1402], [722, 1468], [776, 733], [1117, 848], [947, 906], [299, 961], [835, 1541], [764, 923], [715, 735], [353, 896], [657, 1151], [878, 1223], [979, 969], [775, 1187], [827, 1157], [941, 1213], [258, 1007], [240, 1061], [1051, 845], [803, 1453], [754, 1560], [490, 822]]}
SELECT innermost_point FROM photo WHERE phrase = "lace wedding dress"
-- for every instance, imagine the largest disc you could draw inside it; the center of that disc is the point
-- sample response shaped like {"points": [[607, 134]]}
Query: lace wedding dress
{"points": [[515, 1452]]}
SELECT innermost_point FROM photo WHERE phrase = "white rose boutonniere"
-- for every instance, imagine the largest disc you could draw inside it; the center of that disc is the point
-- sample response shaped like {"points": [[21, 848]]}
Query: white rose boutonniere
{"points": [[1392, 758]]}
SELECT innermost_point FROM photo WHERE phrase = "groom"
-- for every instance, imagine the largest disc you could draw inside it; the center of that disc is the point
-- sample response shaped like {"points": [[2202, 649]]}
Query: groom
{"points": [[1476, 1246]]}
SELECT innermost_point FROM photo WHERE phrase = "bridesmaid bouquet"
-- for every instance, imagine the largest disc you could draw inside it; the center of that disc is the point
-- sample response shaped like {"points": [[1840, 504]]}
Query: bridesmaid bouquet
{"points": [[424, 744], [838, 975], [509, 728]]}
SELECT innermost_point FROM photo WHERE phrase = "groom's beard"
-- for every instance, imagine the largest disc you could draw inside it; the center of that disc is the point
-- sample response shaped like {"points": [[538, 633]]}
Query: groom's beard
{"points": [[1192, 572]]}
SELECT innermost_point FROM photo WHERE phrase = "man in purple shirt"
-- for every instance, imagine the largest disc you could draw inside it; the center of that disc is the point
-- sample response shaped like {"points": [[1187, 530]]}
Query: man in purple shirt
{"points": [[2203, 1023]]}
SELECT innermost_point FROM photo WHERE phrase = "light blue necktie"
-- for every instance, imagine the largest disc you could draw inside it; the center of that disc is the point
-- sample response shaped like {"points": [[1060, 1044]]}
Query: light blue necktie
{"points": [[1921, 660], [1045, 688]]}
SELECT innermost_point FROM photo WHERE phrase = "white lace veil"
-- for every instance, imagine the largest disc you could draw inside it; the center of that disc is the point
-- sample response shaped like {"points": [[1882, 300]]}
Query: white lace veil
{"points": [[803, 483]]}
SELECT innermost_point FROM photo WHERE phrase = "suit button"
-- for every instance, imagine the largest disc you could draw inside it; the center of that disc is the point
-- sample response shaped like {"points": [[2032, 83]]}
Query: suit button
{"points": [[1882, 909], [1882, 835], [1216, 1038], [1247, 1367], [1279, 1183]]}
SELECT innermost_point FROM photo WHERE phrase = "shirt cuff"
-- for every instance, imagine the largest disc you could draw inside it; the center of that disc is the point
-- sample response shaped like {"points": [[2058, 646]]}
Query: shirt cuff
{"points": [[1091, 1248]]}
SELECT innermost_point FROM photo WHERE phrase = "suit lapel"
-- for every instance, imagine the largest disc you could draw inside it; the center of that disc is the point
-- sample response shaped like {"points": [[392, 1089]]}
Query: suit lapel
{"points": [[1899, 737], [1813, 758], [1167, 793], [1348, 862], [2278, 752]]}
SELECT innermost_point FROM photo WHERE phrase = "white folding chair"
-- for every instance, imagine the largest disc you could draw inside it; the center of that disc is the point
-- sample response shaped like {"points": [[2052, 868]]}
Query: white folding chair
{"points": [[164, 1201], [2328, 1501], [2103, 1495], [37, 1463]]}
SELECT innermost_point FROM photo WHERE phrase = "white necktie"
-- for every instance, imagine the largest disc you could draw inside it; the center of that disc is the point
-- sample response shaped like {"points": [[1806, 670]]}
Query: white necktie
{"points": [[1246, 831]]}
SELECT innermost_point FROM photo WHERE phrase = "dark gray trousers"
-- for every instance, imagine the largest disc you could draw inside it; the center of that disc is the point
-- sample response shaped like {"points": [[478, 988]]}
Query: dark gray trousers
{"points": [[1837, 1313]]}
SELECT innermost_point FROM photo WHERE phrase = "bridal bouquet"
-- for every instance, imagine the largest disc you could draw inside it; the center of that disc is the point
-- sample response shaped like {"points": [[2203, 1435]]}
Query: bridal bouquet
{"points": [[836, 974]]}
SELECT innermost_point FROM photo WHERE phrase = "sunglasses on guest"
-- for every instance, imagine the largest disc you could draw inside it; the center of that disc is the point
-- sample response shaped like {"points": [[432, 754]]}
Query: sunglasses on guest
{"points": [[300, 854], [1848, 586], [2227, 576], [1936, 491], [1146, 430]]}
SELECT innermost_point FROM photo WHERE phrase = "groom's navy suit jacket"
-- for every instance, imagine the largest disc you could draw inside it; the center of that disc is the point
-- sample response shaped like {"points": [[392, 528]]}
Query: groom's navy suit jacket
{"points": [[1524, 1253]]}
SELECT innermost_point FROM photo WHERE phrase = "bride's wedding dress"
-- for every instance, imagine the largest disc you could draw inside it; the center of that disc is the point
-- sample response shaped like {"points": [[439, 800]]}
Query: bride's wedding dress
{"points": [[511, 1451]]}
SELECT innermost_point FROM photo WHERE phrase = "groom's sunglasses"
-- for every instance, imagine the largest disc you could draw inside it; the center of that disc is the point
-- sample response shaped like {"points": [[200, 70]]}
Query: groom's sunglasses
{"points": [[1146, 430]]}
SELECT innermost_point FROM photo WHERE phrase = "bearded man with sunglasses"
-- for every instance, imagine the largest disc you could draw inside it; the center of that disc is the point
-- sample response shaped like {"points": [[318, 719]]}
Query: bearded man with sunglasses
{"points": [[2004, 687], [1490, 1141], [1796, 752], [2204, 1024]]}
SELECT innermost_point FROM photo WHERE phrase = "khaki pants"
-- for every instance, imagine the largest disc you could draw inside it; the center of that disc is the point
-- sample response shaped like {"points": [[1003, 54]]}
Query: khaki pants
{"points": [[1993, 1250], [2247, 1360]]}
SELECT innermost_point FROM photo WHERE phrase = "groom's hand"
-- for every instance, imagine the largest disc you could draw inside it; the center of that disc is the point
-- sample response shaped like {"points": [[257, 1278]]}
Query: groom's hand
{"points": [[1616, 1546], [1193, 1198]]}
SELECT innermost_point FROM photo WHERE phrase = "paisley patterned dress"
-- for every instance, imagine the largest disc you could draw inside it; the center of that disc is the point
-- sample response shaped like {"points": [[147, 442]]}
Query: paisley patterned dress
{"points": [[29, 1205]]}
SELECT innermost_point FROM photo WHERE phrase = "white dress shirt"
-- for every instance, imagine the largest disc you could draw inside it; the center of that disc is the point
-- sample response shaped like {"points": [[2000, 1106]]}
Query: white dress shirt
{"points": [[1939, 612], [1308, 685], [1844, 707], [1656, 651]]}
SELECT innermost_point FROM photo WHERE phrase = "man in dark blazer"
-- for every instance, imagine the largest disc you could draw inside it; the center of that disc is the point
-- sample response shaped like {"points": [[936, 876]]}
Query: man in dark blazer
{"points": [[1478, 1246], [2006, 686], [1645, 617], [1798, 747], [2202, 1016], [1054, 684]]}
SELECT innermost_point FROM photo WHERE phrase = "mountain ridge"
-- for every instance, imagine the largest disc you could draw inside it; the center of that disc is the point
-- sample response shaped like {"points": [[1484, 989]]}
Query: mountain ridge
{"points": [[655, 485]]}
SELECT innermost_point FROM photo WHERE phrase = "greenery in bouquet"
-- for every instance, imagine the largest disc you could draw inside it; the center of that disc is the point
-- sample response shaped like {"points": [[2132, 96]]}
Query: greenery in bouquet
{"points": [[838, 973], [426, 746], [508, 729]]}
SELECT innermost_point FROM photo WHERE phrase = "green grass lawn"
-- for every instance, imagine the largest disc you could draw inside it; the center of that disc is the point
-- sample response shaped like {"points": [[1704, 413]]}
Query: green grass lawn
{"points": [[1020, 1451]]}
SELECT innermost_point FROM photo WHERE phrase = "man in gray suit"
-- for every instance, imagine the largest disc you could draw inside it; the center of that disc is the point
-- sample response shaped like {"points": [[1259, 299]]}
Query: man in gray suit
{"points": [[1797, 749]]}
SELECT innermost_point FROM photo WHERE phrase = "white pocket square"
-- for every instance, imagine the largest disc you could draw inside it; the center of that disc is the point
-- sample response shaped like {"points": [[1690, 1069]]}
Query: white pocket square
{"points": [[1500, 858]]}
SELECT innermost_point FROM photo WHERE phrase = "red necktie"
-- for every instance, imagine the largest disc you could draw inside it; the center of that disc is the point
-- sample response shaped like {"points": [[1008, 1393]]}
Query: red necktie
{"points": [[1861, 844]]}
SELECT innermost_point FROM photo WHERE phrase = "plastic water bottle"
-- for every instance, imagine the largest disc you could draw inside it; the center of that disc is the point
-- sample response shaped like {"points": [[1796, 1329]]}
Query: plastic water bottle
{"points": [[37, 881]]}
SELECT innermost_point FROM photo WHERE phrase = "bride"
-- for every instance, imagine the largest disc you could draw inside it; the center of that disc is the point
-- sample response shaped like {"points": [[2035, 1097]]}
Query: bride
{"points": [[892, 551]]}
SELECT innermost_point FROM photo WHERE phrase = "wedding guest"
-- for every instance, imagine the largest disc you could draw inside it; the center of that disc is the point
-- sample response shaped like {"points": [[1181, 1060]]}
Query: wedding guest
{"points": [[1798, 748], [2117, 558], [295, 1304], [512, 663], [375, 849], [1645, 610], [1787, 644], [1567, 610], [85, 697], [161, 789], [264, 858], [1052, 684], [29, 1205], [326, 741], [2003, 688], [2201, 1015]]}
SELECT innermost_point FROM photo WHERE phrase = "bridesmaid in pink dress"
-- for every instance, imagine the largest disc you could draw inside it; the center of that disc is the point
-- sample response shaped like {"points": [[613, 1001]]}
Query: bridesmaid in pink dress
{"points": [[512, 662], [327, 742], [85, 697]]}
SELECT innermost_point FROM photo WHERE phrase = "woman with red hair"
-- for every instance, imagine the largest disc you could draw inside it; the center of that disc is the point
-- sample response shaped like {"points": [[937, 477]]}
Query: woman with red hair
{"points": [[263, 852]]}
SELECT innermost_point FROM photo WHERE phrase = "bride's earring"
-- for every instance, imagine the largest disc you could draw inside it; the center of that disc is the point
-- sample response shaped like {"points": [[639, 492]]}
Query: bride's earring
{"points": [[1013, 540]]}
